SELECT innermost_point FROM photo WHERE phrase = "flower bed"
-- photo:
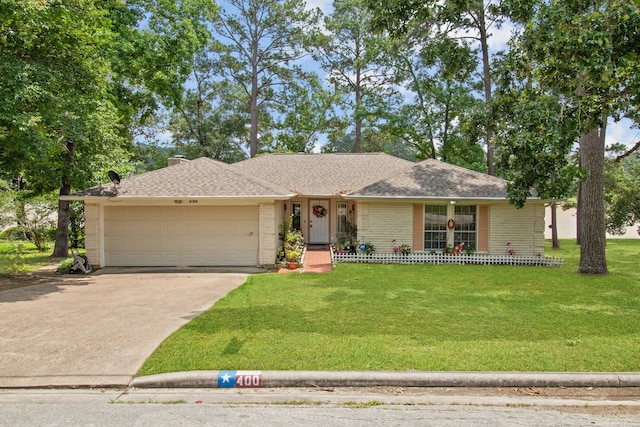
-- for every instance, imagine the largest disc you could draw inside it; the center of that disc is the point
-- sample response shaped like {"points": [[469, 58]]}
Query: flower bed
{"points": [[441, 258]]}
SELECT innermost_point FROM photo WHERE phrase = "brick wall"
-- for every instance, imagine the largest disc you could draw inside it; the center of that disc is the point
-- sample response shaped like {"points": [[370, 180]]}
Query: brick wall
{"points": [[380, 223], [268, 234], [523, 228], [93, 233]]}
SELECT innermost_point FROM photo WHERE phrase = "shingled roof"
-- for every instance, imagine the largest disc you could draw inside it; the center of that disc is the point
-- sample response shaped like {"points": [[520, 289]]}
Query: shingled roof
{"points": [[326, 174], [283, 176], [201, 178], [435, 179]]}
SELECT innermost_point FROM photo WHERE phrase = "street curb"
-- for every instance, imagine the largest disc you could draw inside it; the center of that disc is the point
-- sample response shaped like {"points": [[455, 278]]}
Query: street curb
{"points": [[255, 379]]}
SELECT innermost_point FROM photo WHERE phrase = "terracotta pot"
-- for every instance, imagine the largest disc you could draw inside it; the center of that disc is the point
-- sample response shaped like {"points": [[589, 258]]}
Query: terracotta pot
{"points": [[293, 265]]}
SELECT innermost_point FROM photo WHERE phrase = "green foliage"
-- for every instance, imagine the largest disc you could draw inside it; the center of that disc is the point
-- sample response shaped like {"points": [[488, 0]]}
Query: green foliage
{"points": [[76, 79], [576, 64], [356, 61], [534, 143], [452, 40], [351, 236], [65, 265], [292, 242], [33, 218], [20, 256], [76, 225], [211, 120], [388, 317], [149, 157], [622, 194], [259, 44], [367, 248], [54, 90], [307, 110]]}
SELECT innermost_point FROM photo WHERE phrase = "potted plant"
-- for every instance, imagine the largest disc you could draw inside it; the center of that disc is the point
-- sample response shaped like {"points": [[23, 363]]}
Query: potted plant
{"points": [[293, 257], [292, 245], [405, 249]]}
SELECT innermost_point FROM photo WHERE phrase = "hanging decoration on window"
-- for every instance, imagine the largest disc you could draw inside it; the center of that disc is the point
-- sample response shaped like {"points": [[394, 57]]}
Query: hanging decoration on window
{"points": [[319, 211]]}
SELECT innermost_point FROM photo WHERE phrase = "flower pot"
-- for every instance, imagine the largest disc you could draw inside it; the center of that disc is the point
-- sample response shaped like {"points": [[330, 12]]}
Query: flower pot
{"points": [[293, 265]]}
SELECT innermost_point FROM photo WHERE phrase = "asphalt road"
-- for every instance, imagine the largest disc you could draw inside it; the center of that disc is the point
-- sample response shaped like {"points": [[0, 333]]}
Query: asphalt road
{"points": [[310, 407]]}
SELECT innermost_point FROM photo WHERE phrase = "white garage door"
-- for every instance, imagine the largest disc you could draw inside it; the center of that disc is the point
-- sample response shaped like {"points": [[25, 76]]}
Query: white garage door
{"points": [[181, 236]]}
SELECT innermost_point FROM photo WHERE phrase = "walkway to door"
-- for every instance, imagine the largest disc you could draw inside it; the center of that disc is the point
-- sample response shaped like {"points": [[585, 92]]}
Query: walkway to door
{"points": [[317, 261]]}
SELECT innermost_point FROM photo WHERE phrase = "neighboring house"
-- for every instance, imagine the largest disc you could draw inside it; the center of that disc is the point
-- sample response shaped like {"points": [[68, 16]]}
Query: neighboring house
{"points": [[568, 228], [207, 213]]}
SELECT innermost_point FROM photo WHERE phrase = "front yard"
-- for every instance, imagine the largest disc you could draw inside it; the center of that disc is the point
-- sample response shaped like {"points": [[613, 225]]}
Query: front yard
{"points": [[422, 317]]}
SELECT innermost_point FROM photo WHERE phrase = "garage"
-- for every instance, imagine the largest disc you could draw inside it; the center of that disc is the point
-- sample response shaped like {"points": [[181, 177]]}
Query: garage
{"points": [[181, 236]]}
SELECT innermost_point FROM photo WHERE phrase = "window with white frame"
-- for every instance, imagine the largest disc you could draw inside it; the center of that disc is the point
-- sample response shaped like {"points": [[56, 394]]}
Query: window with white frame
{"points": [[296, 210], [435, 227], [466, 218], [342, 217]]}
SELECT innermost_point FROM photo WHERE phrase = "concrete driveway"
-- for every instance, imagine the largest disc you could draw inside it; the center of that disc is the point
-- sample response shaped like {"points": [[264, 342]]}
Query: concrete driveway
{"points": [[97, 330]]}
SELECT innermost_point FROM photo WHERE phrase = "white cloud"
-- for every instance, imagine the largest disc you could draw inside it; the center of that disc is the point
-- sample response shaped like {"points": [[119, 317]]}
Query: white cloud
{"points": [[326, 6], [621, 132], [499, 37]]}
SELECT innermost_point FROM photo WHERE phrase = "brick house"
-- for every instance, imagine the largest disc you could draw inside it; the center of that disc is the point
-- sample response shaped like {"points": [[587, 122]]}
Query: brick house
{"points": [[207, 213]]}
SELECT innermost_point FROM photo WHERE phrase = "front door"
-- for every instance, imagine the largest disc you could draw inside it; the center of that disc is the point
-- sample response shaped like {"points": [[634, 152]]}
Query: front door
{"points": [[319, 222]]}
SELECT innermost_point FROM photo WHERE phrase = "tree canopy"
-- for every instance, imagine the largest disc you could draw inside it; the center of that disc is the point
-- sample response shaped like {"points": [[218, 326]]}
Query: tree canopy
{"points": [[76, 75], [574, 66]]}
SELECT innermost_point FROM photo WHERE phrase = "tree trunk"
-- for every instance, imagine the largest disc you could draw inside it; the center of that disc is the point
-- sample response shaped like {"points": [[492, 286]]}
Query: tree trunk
{"points": [[592, 229], [357, 147], [486, 79], [554, 226], [253, 109], [445, 132], [61, 248], [358, 119], [253, 101]]}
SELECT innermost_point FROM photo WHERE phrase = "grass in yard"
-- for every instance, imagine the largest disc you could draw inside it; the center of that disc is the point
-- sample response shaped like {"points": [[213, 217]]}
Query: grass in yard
{"points": [[17, 257], [424, 317]]}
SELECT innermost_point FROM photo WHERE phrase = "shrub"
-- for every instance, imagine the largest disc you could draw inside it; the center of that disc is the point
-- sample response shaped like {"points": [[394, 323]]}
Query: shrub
{"points": [[367, 248], [292, 242]]}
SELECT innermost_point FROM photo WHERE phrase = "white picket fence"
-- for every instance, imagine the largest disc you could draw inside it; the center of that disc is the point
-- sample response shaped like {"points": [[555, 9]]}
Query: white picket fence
{"points": [[441, 258]]}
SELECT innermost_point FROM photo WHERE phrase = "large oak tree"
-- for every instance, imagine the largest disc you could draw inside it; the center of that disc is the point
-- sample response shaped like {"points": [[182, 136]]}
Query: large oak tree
{"points": [[575, 66]]}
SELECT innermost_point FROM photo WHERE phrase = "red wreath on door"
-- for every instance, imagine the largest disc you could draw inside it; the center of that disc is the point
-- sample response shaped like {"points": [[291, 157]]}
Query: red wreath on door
{"points": [[319, 211], [451, 224]]}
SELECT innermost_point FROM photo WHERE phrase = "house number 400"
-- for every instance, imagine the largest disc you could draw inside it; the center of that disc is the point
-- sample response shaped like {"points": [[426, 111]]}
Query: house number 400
{"points": [[248, 380]]}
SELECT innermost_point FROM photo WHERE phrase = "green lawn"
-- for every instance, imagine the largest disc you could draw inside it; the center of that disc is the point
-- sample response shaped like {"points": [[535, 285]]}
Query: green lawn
{"points": [[427, 317], [17, 257]]}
